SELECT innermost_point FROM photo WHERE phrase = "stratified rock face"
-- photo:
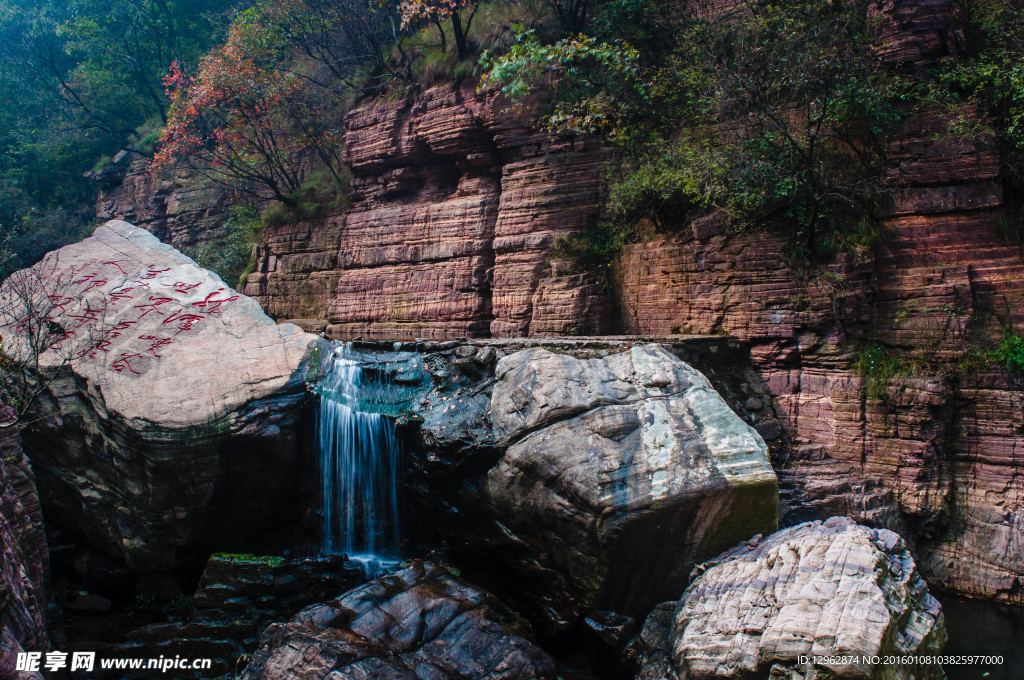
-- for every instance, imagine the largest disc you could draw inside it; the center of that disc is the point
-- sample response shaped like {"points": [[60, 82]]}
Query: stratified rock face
{"points": [[23, 556], [177, 205], [619, 474], [818, 589], [174, 403], [936, 457], [456, 203], [421, 622]]}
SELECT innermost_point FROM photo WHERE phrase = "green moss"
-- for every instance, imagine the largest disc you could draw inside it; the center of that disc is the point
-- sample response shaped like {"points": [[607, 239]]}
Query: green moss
{"points": [[268, 560]]}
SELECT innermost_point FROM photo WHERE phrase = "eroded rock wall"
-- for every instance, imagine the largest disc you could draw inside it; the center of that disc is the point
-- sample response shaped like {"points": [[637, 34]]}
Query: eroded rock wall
{"points": [[935, 452], [456, 202], [23, 555]]}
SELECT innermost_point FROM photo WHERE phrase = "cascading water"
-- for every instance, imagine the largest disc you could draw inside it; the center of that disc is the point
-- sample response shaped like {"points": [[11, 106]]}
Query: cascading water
{"points": [[361, 464]]}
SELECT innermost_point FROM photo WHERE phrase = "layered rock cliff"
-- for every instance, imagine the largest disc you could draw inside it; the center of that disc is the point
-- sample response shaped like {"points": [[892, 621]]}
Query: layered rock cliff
{"points": [[23, 555], [457, 201]]}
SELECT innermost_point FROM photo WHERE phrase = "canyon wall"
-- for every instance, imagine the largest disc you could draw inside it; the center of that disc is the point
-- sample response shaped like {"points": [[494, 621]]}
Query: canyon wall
{"points": [[936, 451], [23, 555], [456, 203]]}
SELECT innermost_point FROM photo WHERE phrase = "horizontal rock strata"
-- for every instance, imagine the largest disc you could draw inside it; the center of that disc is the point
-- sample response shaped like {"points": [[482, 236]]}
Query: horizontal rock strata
{"points": [[456, 203]]}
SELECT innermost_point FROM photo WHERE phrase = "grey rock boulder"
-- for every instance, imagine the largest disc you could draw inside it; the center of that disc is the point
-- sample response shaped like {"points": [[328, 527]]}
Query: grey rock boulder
{"points": [[173, 402], [767, 607], [618, 475]]}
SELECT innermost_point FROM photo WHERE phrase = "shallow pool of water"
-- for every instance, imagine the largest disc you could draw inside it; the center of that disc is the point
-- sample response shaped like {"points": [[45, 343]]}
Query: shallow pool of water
{"points": [[979, 627]]}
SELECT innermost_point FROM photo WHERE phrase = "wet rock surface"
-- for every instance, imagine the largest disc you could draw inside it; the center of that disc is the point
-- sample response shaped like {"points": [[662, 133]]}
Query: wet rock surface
{"points": [[420, 622], [174, 413], [830, 588]]}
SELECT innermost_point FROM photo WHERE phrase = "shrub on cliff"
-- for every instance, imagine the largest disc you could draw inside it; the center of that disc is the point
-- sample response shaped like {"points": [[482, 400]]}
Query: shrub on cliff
{"points": [[264, 111], [770, 111]]}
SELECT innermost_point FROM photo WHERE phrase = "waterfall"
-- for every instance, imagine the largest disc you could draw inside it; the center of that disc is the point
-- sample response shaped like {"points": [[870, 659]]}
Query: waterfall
{"points": [[361, 465]]}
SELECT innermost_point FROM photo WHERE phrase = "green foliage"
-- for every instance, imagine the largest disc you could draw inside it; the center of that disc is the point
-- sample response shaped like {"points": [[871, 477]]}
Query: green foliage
{"points": [[230, 254], [322, 195], [181, 606], [877, 367], [989, 78], [777, 112], [77, 79], [1010, 352]]}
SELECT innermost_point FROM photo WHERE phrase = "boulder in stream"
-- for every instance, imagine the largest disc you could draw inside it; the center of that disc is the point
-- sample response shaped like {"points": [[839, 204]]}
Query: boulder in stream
{"points": [[818, 600], [619, 473]]}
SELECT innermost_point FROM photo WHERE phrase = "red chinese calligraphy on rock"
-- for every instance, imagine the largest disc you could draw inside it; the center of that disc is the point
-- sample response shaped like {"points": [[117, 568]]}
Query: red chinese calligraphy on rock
{"points": [[155, 343], [184, 320], [152, 272], [116, 263], [154, 302], [91, 352], [124, 363], [121, 294], [185, 286], [211, 304]]}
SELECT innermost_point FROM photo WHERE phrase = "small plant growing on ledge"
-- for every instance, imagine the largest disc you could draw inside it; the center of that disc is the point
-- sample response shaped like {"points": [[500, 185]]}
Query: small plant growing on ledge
{"points": [[1010, 353], [877, 367]]}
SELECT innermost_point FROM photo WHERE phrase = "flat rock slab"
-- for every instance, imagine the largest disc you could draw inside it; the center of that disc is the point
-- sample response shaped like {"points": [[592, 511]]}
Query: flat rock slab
{"points": [[174, 399], [421, 622], [834, 590]]}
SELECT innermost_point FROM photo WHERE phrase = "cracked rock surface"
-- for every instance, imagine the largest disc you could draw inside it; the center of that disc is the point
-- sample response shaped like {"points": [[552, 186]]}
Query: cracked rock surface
{"points": [[619, 473], [421, 622], [174, 402], [767, 607]]}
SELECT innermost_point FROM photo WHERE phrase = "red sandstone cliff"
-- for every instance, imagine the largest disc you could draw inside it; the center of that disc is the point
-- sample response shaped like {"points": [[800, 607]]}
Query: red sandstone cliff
{"points": [[23, 556], [456, 203]]}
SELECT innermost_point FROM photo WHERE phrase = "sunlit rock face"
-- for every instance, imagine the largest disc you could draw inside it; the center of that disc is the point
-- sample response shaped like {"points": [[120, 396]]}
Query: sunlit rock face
{"points": [[421, 622], [618, 474], [172, 412], [457, 200], [820, 589], [23, 556]]}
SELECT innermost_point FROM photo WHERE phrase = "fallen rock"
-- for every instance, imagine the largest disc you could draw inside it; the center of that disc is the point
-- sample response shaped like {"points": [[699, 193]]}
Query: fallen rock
{"points": [[767, 607], [172, 412], [421, 622], [619, 474]]}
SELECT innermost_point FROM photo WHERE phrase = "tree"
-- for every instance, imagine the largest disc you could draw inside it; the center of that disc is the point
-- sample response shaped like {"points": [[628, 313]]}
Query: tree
{"points": [[46, 324], [770, 111], [264, 111], [436, 12]]}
